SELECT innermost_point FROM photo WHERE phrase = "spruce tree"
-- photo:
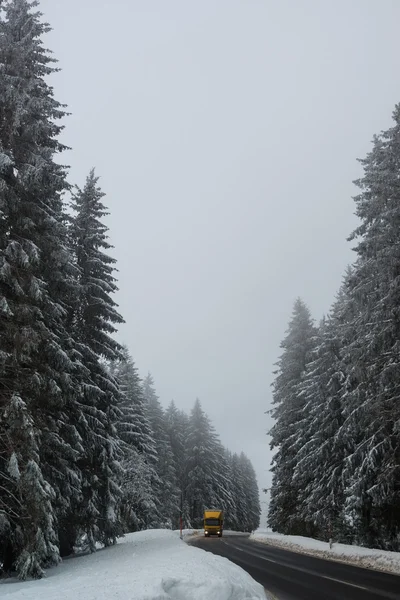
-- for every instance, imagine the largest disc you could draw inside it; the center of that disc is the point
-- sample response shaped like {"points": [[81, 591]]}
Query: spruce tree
{"points": [[249, 485], [177, 429], [93, 320], [181, 470], [231, 516], [372, 474], [206, 484], [322, 451], [167, 491], [139, 502], [38, 441], [288, 405], [236, 520]]}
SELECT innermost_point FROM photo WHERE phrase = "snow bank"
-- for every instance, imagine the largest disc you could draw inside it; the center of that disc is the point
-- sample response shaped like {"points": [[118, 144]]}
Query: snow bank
{"points": [[149, 565], [191, 532], [187, 532], [381, 560]]}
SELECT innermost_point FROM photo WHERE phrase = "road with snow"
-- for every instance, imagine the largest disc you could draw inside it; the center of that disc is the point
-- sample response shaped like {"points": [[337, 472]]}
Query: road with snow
{"points": [[293, 576], [147, 565]]}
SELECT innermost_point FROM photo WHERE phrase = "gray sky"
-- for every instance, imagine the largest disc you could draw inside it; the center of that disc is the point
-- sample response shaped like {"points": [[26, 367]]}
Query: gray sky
{"points": [[226, 134]]}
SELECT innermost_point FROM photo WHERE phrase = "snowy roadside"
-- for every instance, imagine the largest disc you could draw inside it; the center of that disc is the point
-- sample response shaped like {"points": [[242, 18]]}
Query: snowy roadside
{"points": [[381, 560], [187, 533], [148, 565]]}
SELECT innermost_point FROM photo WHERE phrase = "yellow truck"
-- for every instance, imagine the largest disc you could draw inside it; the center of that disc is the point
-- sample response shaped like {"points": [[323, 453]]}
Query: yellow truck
{"points": [[213, 522]]}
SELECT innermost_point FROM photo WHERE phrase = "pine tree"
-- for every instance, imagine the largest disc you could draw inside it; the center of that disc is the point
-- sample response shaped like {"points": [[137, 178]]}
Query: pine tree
{"points": [[207, 486], [321, 455], [224, 493], [231, 517], [288, 405], [236, 519], [181, 470], [38, 442], [372, 473], [139, 503], [93, 319], [251, 518], [177, 429], [167, 489]]}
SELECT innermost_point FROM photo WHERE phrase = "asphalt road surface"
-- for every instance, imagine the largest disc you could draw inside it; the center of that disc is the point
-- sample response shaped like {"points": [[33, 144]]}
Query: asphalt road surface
{"points": [[292, 576]]}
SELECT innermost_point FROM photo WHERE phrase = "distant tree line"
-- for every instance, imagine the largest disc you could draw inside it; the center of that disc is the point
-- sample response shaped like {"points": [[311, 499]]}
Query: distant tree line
{"points": [[86, 450], [336, 395]]}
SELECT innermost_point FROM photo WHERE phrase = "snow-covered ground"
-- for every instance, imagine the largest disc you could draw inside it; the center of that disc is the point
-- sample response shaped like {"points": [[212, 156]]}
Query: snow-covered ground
{"points": [[149, 565], [187, 532], [190, 532], [364, 557]]}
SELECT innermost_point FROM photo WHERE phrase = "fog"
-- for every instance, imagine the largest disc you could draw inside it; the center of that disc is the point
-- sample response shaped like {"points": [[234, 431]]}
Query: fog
{"points": [[226, 135]]}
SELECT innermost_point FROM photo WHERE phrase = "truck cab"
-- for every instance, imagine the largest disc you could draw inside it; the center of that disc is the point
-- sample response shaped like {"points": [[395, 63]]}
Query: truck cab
{"points": [[213, 522]]}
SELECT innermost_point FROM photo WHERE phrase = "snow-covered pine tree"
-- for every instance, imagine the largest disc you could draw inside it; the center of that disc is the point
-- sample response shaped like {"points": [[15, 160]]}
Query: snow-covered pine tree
{"points": [[231, 520], [167, 491], [183, 428], [303, 436], [238, 518], [134, 427], [372, 408], [93, 320], [38, 443], [288, 404], [206, 483], [320, 457], [177, 429], [224, 494], [139, 502], [251, 494]]}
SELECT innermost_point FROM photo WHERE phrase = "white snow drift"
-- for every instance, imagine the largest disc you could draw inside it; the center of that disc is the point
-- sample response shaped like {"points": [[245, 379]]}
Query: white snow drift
{"points": [[364, 557], [149, 565]]}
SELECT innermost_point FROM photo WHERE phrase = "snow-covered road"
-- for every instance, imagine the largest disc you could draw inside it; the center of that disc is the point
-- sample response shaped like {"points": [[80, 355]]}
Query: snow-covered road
{"points": [[149, 565]]}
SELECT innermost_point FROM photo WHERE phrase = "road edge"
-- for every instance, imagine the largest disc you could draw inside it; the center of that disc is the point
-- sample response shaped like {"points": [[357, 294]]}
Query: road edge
{"points": [[326, 556], [270, 595]]}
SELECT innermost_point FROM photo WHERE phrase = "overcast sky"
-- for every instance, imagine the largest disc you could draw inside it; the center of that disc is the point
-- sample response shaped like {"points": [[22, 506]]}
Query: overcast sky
{"points": [[226, 134]]}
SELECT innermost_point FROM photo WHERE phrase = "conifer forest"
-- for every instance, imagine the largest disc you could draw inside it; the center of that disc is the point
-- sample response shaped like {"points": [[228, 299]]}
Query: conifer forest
{"points": [[336, 467], [87, 451]]}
